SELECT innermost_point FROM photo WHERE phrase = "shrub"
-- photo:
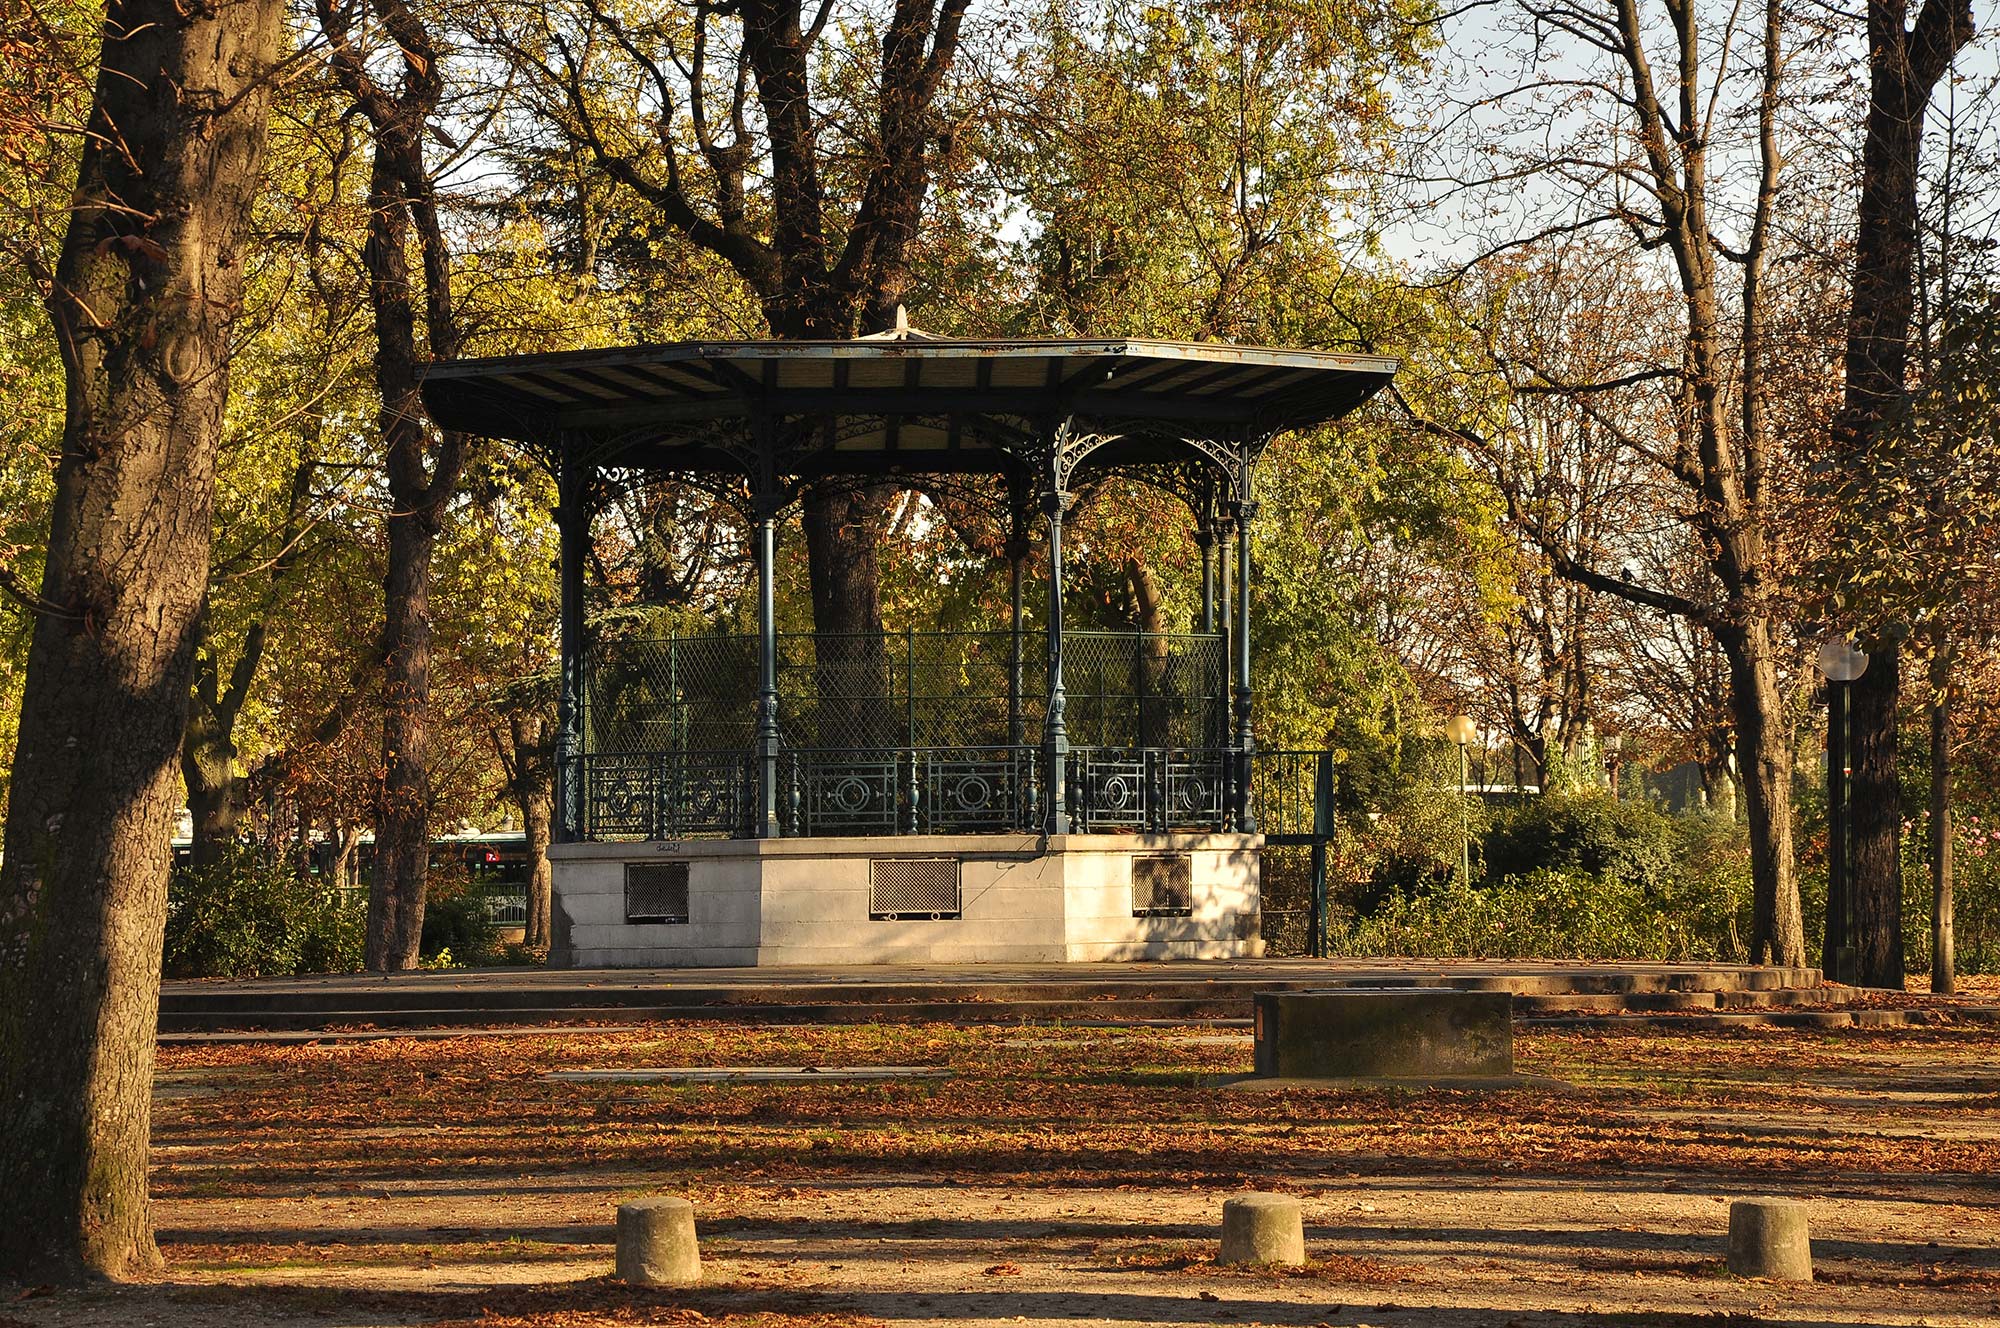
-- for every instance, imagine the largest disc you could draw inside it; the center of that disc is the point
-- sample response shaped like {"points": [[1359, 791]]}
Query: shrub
{"points": [[1414, 847], [1586, 833], [1542, 914], [247, 917], [458, 930], [1567, 877]]}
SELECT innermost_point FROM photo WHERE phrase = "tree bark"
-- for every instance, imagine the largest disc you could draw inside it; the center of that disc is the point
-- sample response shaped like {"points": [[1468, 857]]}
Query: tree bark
{"points": [[842, 528], [537, 816], [1944, 977], [403, 807], [146, 290], [1777, 933], [1875, 819], [1904, 65], [216, 795], [422, 466], [810, 281], [528, 757]]}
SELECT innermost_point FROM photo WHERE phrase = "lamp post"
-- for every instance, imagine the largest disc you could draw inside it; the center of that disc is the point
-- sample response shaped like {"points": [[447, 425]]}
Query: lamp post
{"points": [[1614, 747], [1461, 730], [1840, 662]]}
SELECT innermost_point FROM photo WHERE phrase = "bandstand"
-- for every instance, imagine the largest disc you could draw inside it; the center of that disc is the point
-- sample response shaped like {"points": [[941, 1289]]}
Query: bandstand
{"points": [[1006, 795]]}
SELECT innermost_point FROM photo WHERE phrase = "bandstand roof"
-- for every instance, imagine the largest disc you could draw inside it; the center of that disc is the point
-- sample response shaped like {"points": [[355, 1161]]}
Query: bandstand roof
{"points": [[895, 403]]}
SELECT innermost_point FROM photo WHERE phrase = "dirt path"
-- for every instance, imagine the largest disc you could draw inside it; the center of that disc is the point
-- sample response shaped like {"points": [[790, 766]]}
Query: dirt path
{"points": [[1074, 1178]]}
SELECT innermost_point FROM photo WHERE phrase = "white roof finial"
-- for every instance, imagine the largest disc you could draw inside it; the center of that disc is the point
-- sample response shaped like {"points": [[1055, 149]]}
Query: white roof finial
{"points": [[902, 331]]}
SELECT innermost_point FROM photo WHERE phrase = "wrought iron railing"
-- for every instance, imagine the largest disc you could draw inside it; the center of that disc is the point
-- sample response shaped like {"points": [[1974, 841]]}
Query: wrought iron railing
{"points": [[922, 790], [1148, 788], [897, 790], [663, 795]]}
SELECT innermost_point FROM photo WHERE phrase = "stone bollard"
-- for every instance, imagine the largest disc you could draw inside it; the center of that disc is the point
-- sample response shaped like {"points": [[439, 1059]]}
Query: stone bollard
{"points": [[1767, 1238], [1262, 1228], [656, 1243]]}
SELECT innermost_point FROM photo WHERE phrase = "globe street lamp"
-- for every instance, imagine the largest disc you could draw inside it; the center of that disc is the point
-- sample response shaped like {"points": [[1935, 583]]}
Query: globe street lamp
{"points": [[1840, 662], [1461, 730]]}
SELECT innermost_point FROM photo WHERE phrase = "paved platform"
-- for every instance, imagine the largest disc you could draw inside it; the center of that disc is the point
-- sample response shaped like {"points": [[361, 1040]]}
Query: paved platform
{"points": [[1180, 992]]}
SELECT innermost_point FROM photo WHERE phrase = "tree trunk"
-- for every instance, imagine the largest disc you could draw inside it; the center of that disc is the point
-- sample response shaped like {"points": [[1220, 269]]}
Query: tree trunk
{"points": [[841, 526], [529, 760], [346, 839], [403, 810], [1718, 788], [1875, 818], [537, 814], [1777, 928], [143, 299], [1903, 67], [216, 796], [1944, 977], [422, 467]]}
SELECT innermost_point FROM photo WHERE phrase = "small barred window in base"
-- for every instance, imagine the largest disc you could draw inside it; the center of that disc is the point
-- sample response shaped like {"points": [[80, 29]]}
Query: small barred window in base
{"points": [[913, 888], [656, 892], [1162, 885]]}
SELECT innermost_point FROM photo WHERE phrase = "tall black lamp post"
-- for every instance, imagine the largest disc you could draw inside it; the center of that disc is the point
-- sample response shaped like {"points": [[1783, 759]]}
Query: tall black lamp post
{"points": [[1840, 662]]}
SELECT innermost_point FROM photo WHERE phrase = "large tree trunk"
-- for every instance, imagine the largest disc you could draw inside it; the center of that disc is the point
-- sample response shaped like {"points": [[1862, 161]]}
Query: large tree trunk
{"points": [[843, 527], [145, 293], [1875, 820], [1944, 978], [403, 810], [767, 214], [422, 467], [1903, 67], [1777, 929]]}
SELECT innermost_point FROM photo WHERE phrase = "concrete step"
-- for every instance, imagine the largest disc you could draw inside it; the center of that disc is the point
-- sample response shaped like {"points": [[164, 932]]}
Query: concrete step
{"points": [[547, 992], [1777, 1018], [1138, 1009], [907, 1012]]}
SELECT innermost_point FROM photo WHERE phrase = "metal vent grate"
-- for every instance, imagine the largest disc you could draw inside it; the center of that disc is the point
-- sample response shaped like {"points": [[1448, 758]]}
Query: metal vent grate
{"points": [[1162, 885], [656, 892], [913, 888]]}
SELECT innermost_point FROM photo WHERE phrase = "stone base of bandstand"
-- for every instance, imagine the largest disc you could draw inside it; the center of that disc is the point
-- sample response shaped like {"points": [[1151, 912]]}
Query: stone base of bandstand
{"points": [[1022, 899]]}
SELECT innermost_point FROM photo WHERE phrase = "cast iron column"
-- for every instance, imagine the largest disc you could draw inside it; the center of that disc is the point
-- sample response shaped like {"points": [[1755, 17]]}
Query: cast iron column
{"points": [[573, 543], [1224, 527], [1017, 551], [1058, 736], [764, 818], [1246, 744], [1204, 537]]}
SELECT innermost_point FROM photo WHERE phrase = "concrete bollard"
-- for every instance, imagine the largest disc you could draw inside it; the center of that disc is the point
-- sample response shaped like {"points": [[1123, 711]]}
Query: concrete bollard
{"points": [[1262, 1228], [1768, 1238], [656, 1243]]}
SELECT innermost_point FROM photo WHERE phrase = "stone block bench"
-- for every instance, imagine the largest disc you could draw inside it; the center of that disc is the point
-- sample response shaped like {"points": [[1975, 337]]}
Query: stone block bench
{"points": [[1422, 1033]]}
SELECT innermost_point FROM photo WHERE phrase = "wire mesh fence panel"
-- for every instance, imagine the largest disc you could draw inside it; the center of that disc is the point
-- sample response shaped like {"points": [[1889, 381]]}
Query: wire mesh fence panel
{"points": [[679, 694], [910, 689], [1285, 890], [1143, 689], [911, 732], [888, 691]]}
